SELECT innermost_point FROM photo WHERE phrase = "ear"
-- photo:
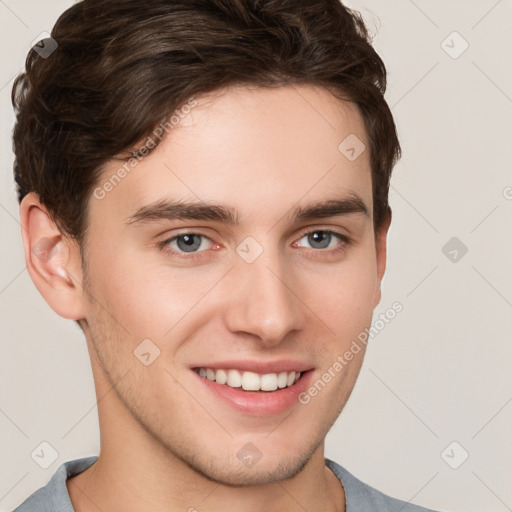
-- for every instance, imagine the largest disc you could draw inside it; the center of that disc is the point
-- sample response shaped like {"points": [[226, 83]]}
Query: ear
{"points": [[53, 260], [381, 248]]}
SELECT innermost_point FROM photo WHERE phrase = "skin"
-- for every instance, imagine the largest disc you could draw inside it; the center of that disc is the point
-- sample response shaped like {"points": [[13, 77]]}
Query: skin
{"points": [[167, 443]]}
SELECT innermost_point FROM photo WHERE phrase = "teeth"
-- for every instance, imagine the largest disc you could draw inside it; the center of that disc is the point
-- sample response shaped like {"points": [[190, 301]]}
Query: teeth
{"points": [[234, 379], [269, 382], [221, 377], [282, 379], [250, 381]]}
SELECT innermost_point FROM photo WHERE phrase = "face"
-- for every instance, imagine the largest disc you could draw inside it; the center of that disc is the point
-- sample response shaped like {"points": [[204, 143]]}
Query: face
{"points": [[259, 283]]}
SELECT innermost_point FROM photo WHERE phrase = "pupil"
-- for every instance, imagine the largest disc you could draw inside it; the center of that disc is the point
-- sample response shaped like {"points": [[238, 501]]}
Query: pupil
{"points": [[319, 237], [188, 243]]}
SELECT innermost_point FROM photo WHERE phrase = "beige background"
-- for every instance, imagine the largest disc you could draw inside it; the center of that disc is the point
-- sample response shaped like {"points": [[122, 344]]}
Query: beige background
{"points": [[438, 373]]}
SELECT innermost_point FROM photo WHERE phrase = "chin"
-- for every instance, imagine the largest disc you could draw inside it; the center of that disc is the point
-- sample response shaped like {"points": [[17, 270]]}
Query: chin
{"points": [[261, 472]]}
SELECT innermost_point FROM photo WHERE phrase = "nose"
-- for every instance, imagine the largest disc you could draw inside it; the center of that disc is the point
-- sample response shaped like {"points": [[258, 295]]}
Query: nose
{"points": [[262, 299]]}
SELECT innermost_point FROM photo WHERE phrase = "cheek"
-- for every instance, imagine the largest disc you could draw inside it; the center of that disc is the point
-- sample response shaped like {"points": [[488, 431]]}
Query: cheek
{"points": [[147, 297], [343, 297]]}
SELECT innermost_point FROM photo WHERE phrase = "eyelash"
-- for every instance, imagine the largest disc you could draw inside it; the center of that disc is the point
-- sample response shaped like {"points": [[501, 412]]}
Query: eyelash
{"points": [[164, 245]]}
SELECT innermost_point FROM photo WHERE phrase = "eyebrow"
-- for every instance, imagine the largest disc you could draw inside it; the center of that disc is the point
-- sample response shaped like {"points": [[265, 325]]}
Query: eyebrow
{"points": [[180, 210]]}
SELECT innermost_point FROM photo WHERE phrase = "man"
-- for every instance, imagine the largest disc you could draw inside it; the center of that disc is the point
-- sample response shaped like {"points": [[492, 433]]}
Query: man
{"points": [[203, 189]]}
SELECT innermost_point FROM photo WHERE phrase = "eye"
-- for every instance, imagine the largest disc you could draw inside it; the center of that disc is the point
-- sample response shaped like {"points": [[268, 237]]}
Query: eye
{"points": [[322, 239], [190, 245], [186, 243]]}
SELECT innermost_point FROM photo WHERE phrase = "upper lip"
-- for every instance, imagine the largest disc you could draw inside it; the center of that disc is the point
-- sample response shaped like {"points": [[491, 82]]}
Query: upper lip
{"points": [[257, 366]]}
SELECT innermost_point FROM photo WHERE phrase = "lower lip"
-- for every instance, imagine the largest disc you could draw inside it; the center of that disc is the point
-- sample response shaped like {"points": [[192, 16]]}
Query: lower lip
{"points": [[259, 403]]}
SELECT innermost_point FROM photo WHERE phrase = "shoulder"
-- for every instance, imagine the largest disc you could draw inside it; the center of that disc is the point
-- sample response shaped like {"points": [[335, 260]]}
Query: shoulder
{"points": [[361, 497], [54, 497]]}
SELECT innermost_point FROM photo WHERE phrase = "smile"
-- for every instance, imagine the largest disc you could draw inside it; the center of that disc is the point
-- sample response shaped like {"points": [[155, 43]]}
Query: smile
{"points": [[250, 381]]}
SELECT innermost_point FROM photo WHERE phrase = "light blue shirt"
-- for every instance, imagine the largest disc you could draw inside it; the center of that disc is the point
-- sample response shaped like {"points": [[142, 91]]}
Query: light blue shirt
{"points": [[54, 497]]}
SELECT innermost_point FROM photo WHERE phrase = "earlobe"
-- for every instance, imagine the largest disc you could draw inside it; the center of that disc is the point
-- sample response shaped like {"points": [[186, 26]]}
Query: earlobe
{"points": [[52, 259]]}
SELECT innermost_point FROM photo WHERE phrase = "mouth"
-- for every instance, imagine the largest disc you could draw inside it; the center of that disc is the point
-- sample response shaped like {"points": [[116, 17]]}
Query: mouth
{"points": [[250, 381], [255, 388]]}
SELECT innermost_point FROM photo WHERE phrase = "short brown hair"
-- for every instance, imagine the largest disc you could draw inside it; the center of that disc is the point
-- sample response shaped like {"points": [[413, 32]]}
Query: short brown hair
{"points": [[123, 66]]}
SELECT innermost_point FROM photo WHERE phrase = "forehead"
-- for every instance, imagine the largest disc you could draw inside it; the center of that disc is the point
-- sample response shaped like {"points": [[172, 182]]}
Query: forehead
{"points": [[259, 150]]}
